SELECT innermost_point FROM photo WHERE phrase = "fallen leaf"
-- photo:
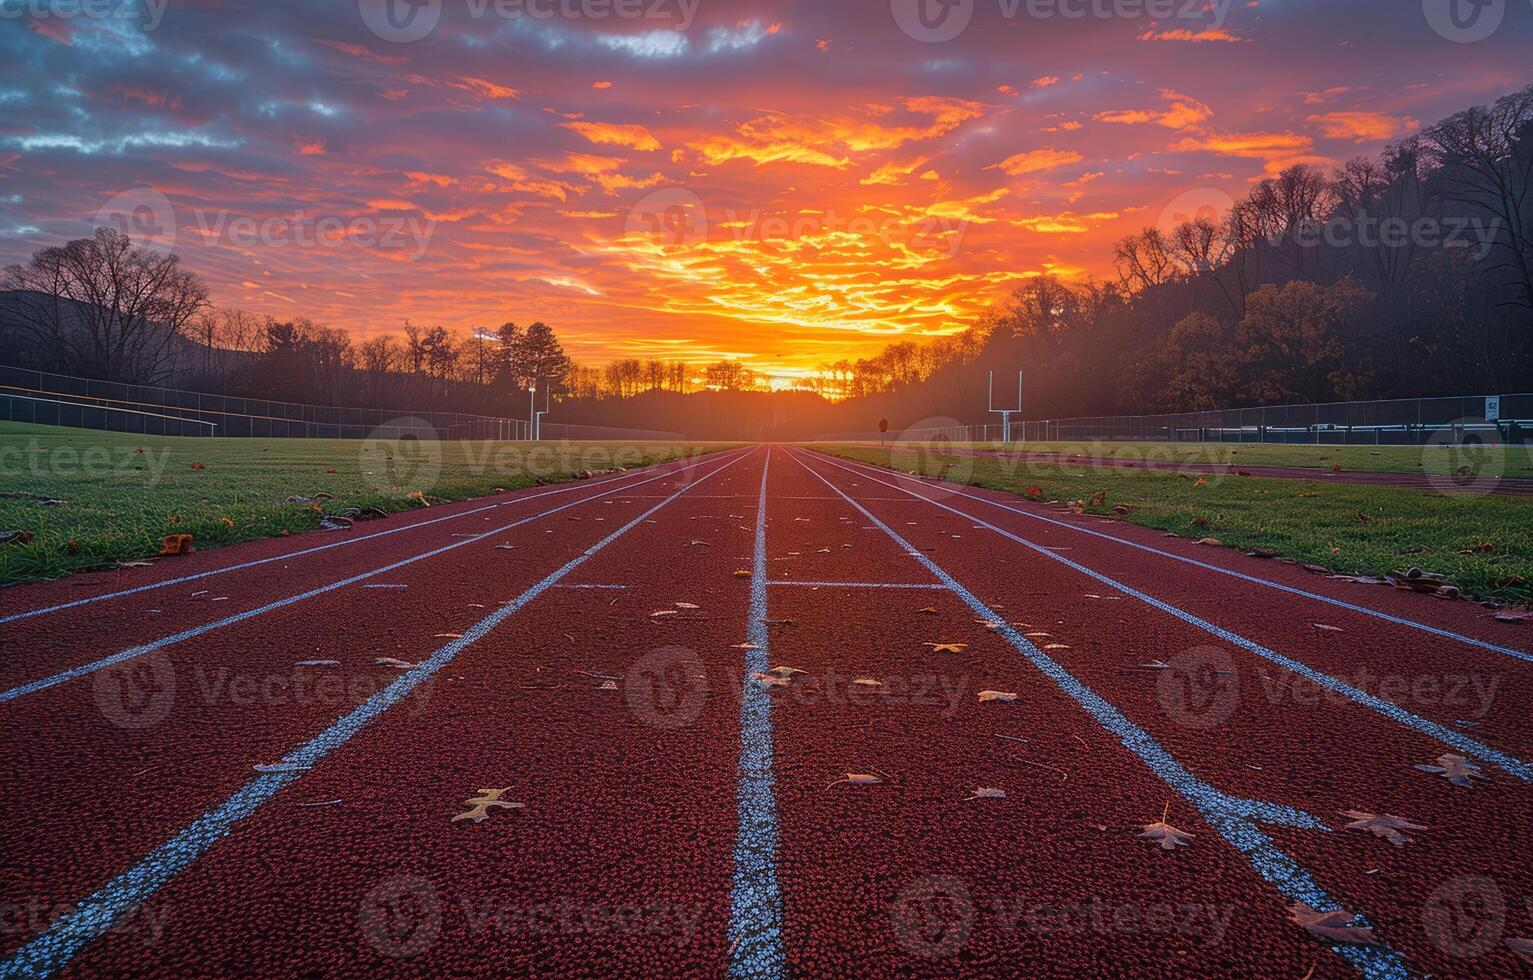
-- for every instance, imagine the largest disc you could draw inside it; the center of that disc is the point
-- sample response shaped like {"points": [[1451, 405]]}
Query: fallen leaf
{"points": [[1382, 825], [988, 793], [858, 779], [1211, 542], [948, 647], [1327, 628], [687, 605], [997, 696], [607, 686], [447, 636], [1055, 646], [391, 662], [176, 544], [929, 610], [480, 805], [1455, 769], [785, 671], [741, 573], [1336, 926], [662, 612], [768, 680], [1167, 836]]}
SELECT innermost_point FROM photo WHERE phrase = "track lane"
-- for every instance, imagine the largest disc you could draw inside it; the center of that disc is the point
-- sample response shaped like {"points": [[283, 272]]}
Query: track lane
{"points": [[67, 650], [1457, 621], [210, 713], [1475, 695], [1305, 752], [23, 601], [624, 791]]}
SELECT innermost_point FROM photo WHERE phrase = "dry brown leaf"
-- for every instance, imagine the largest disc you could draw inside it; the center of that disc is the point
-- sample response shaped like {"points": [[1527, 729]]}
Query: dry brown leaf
{"points": [[929, 610], [1327, 628], [1455, 769], [997, 696], [662, 612], [480, 805], [785, 671], [1335, 926], [176, 544], [1167, 836], [768, 680], [948, 647], [742, 573], [859, 779], [1382, 825], [1055, 646], [447, 636], [988, 793], [687, 605]]}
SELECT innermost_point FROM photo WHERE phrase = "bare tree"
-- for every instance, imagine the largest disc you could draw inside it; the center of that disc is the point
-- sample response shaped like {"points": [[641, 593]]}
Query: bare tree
{"points": [[105, 308]]}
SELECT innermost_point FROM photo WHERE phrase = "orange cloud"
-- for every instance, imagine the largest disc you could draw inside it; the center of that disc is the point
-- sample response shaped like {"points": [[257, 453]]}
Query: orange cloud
{"points": [[1184, 112], [616, 134], [1363, 127], [1205, 36], [1036, 161]]}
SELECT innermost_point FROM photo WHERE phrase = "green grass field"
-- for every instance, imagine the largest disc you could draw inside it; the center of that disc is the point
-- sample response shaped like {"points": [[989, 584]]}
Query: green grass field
{"points": [[124, 493], [1515, 461], [1484, 544]]}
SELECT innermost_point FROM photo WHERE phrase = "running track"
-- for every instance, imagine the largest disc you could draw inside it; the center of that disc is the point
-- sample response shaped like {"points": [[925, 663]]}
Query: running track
{"points": [[677, 817]]}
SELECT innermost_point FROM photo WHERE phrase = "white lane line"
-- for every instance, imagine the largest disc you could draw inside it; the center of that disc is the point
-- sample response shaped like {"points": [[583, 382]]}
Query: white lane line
{"points": [[1458, 740], [755, 904], [859, 585], [196, 631], [50, 952], [1235, 819], [288, 556], [1255, 580]]}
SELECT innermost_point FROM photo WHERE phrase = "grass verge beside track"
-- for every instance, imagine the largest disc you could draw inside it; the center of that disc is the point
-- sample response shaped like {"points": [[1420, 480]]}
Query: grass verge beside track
{"points": [[124, 493], [1484, 544], [1509, 461]]}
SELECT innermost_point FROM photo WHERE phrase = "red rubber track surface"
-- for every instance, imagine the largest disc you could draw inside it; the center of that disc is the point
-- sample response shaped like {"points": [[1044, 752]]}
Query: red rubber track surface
{"points": [[629, 789]]}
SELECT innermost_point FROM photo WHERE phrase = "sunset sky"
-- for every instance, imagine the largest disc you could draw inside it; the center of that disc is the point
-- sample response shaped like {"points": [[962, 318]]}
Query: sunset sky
{"points": [[789, 183]]}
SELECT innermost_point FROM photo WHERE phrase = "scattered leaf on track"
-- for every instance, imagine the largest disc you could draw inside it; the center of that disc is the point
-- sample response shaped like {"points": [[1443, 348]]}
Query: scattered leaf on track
{"points": [[858, 779], [1334, 926], [1455, 769], [948, 647], [988, 793], [480, 805], [997, 696], [1382, 825], [1165, 835]]}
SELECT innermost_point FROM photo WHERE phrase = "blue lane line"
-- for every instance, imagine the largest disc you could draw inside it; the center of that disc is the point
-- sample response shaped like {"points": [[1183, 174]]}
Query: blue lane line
{"points": [[755, 902], [1255, 580], [1455, 739], [577, 485], [51, 951], [1234, 819], [196, 631], [861, 585]]}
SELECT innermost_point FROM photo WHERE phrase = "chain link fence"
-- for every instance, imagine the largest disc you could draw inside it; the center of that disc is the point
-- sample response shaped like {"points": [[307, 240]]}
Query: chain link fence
{"points": [[1397, 422], [54, 399]]}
